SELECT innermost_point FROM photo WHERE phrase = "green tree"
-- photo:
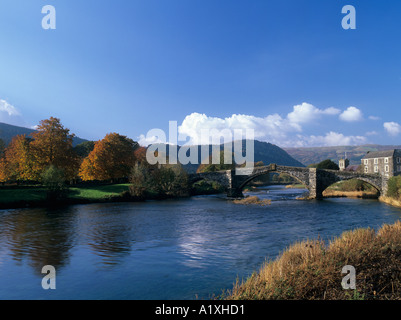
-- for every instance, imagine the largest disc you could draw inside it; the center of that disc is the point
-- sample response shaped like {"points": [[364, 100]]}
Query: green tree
{"points": [[325, 164], [163, 181], [171, 180], [394, 187], [53, 179], [84, 149], [141, 181]]}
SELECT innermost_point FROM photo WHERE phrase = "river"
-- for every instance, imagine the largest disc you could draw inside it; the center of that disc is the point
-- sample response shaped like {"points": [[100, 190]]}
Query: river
{"points": [[174, 249]]}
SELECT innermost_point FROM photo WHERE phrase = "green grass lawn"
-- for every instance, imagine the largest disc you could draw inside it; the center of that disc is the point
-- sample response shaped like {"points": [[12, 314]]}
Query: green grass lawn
{"points": [[22, 194], [97, 192], [10, 195]]}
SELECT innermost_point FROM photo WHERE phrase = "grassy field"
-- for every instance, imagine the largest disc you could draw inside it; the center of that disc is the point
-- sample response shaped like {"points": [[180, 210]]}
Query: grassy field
{"points": [[32, 194], [97, 192], [312, 270], [8, 195]]}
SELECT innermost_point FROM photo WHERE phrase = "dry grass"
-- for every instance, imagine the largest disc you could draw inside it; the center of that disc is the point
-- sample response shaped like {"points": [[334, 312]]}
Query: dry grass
{"points": [[253, 200], [350, 194], [312, 269], [391, 201]]}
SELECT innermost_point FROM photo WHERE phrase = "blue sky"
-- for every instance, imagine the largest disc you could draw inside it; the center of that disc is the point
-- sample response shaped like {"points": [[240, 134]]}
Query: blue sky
{"points": [[286, 69]]}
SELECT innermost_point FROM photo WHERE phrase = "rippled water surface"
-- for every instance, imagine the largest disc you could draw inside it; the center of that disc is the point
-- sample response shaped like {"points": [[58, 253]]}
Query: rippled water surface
{"points": [[164, 250]]}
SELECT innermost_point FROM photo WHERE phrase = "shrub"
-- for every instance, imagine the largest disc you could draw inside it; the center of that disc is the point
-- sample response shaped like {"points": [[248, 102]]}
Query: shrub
{"points": [[53, 179], [167, 180], [394, 187], [141, 181]]}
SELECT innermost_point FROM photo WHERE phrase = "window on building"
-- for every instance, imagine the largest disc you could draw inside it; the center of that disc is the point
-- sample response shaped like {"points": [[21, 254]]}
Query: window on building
{"points": [[376, 161], [387, 168], [398, 160], [366, 161], [376, 169], [366, 169], [385, 160], [398, 168]]}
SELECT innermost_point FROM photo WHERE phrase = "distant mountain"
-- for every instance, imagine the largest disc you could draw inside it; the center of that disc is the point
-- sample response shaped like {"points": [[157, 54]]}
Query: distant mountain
{"points": [[263, 151], [317, 154], [8, 131]]}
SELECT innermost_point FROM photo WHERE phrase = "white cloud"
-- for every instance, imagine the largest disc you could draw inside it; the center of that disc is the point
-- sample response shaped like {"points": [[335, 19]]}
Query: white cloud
{"points": [[335, 139], [284, 131], [392, 128], [8, 109], [371, 133], [305, 113], [147, 140], [374, 118], [272, 127], [9, 114], [351, 114]]}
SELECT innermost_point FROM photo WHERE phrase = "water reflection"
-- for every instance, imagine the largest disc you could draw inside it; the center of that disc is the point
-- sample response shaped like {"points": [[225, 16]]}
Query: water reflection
{"points": [[107, 232], [42, 236]]}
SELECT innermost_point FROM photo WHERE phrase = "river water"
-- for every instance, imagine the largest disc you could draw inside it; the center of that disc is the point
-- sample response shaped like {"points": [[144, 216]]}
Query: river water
{"points": [[174, 249]]}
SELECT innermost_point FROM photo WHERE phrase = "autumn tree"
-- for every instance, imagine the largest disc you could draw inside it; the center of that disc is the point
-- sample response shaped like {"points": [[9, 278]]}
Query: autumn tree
{"points": [[111, 159], [3, 173], [52, 146], [18, 161], [140, 156]]}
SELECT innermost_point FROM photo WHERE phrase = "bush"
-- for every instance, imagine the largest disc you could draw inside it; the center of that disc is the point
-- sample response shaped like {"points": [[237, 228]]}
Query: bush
{"points": [[164, 181], [394, 187], [53, 179], [205, 187], [141, 181]]}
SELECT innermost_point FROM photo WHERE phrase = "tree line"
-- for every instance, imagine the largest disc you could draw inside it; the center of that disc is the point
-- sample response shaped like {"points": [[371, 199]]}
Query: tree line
{"points": [[26, 158], [48, 157]]}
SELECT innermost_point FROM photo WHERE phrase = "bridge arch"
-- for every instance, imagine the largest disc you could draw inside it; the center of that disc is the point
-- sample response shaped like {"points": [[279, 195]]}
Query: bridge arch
{"points": [[259, 174], [359, 178]]}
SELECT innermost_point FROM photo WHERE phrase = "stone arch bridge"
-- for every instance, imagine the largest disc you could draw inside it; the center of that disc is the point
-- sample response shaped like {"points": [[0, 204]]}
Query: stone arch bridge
{"points": [[316, 180]]}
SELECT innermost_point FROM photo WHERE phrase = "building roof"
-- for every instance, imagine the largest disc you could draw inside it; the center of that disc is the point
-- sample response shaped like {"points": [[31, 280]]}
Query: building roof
{"points": [[379, 154]]}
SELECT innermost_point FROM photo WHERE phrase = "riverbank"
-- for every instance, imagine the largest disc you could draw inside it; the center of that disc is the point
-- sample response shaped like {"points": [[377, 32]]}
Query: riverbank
{"points": [[15, 197], [312, 270], [36, 196], [391, 201]]}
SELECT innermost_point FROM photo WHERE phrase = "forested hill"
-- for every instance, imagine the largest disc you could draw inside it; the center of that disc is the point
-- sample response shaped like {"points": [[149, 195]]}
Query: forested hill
{"points": [[263, 151], [317, 154], [8, 131]]}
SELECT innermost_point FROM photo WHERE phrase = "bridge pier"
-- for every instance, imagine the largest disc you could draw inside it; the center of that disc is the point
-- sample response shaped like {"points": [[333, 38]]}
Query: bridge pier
{"points": [[234, 193], [315, 185]]}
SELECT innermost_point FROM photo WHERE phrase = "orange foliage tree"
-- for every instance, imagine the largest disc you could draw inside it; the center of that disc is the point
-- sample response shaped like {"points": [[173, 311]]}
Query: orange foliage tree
{"points": [[111, 159], [3, 173], [17, 162], [52, 145]]}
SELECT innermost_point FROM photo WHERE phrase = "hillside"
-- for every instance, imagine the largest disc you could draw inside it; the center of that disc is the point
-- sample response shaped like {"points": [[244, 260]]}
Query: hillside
{"points": [[317, 154], [266, 152], [8, 131]]}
